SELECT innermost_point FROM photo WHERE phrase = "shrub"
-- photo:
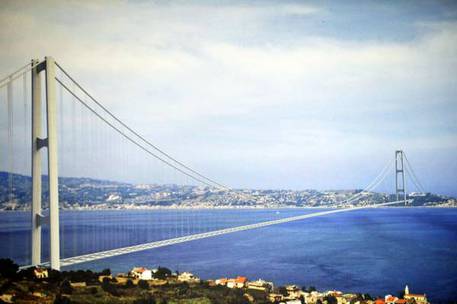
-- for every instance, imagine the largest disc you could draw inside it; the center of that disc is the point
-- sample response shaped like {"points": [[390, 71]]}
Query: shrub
{"points": [[54, 275], [110, 288], [162, 273], [66, 288], [8, 269], [106, 272], [331, 300], [61, 300], [311, 288], [147, 300], [282, 290], [27, 273], [143, 284], [129, 284]]}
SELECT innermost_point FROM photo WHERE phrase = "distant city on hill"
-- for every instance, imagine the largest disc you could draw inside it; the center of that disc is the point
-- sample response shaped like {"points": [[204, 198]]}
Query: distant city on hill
{"points": [[86, 193]]}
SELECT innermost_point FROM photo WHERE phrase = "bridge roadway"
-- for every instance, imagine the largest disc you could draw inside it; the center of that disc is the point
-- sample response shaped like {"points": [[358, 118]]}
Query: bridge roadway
{"points": [[156, 244]]}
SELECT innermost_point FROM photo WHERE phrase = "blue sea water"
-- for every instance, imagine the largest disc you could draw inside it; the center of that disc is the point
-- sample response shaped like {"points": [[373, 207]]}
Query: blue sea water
{"points": [[374, 251]]}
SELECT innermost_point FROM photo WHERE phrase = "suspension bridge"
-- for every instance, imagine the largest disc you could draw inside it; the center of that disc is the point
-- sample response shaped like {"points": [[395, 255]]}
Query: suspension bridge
{"points": [[46, 104]]}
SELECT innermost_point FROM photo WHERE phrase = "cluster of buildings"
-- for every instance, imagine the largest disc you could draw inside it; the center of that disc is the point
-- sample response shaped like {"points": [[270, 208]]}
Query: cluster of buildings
{"points": [[294, 295], [406, 299], [145, 274], [93, 194], [289, 294]]}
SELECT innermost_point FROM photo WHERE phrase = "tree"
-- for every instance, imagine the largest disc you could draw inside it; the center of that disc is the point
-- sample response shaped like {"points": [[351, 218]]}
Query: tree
{"points": [[282, 290], [162, 273], [129, 284], [8, 269], [143, 284], [61, 300], [311, 288], [106, 272], [27, 273], [182, 289], [110, 288], [54, 275], [66, 288], [147, 300], [163, 301], [331, 300], [105, 284]]}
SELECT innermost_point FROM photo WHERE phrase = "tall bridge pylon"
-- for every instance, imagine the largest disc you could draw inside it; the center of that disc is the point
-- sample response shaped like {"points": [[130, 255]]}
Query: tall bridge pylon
{"points": [[400, 182], [38, 143]]}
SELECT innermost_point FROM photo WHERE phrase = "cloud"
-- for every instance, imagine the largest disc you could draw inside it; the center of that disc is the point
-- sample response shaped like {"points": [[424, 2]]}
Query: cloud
{"points": [[222, 79]]}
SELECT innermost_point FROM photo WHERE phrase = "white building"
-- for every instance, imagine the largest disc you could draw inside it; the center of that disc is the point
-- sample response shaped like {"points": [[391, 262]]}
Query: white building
{"points": [[141, 273], [40, 273], [188, 277], [260, 285]]}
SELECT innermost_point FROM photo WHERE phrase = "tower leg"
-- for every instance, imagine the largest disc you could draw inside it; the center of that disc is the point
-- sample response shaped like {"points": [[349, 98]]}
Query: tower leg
{"points": [[400, 190], [36, 166], [51, 113]]}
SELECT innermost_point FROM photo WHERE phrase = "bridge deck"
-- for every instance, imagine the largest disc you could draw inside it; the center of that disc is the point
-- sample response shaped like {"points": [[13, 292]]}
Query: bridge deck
{"points": [[162, 243], [156, 244]]}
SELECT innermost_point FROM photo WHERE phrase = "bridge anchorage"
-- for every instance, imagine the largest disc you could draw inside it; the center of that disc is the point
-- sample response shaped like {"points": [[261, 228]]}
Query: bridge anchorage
{"points": [[39, 141]]}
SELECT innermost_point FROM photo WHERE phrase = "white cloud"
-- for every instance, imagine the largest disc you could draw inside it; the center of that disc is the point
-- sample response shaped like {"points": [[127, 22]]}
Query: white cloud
{"points": [[185, 73]]}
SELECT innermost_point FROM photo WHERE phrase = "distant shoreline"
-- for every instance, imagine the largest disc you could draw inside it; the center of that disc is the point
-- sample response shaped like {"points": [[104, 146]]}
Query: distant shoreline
{"points": [[234, 208]]}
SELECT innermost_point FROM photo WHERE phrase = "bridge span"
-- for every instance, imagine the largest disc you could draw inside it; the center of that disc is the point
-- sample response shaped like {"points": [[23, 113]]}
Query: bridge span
{"points": [[90, 139], [162, 243]]}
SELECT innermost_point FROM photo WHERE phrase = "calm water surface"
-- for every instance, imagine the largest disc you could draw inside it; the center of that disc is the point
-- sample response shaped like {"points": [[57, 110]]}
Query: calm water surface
{"points": [[376, 251]]}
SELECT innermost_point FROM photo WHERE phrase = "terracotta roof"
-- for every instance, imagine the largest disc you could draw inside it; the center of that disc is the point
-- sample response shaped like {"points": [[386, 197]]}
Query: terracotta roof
{"points": [[139, 269], [241, 280], [391, 299]]}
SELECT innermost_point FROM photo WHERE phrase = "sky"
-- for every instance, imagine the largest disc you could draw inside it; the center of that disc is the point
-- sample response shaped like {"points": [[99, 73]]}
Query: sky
{"points": [[263, 94]]}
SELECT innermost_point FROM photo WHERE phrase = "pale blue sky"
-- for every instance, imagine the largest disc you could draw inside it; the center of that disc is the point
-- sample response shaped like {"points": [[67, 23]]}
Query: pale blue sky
{"points": [[264, 94]]}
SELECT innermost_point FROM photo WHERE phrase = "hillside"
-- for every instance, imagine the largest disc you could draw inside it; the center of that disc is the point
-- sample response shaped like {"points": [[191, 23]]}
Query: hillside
{"points": [[87, 193]]}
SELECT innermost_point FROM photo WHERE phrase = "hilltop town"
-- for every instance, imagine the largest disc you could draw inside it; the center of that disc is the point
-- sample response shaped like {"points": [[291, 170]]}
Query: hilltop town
{"points": [[92, 194], [161, 285]]}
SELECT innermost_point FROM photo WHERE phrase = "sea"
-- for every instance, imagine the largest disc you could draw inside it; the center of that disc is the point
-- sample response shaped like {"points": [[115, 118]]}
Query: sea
{"points": [[376, 251]]}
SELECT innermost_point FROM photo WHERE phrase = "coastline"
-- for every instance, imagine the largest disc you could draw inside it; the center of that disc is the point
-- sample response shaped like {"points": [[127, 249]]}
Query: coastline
{"points": [[142, 208]]}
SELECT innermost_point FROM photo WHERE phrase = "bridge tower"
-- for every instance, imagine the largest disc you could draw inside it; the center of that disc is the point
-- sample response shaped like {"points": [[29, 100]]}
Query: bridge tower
{"points": [[38, 143], [400, 176]]}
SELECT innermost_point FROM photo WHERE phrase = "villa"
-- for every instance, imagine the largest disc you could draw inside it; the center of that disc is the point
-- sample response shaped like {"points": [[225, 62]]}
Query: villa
{"points": [[188, 277], [40, 273], [141, 273]]}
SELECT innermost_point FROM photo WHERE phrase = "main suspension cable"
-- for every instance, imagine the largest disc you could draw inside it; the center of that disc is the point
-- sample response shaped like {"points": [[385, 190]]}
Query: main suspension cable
{"points": [[139, 135], [128, 137], [413, 175], [18, 73]]}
